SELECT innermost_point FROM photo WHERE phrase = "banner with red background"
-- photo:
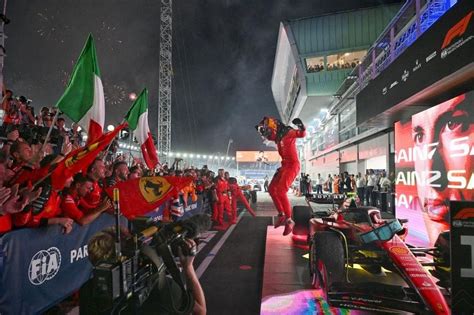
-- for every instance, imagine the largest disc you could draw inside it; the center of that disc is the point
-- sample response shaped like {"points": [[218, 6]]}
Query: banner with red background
{"points": [[434, 164]]}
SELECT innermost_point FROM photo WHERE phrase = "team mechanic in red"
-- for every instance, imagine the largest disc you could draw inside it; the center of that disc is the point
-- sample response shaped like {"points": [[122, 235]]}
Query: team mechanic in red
{"points": [[237, 195], [284, 136], [223, 201]]}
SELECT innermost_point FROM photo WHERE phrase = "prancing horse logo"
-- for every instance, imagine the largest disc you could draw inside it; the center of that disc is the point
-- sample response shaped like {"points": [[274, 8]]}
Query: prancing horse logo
{"points": [[154, 188]]}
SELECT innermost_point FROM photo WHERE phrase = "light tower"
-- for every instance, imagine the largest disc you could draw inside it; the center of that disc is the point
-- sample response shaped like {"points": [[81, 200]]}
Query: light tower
{"points": [[165, 77]]}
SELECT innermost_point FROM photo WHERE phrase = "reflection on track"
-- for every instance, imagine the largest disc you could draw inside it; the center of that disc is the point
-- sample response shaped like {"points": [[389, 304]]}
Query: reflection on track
{"points": [[301, 302]]}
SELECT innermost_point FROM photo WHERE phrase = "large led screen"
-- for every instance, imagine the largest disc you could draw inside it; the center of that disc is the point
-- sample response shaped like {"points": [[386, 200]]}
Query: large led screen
{"points": [[434, 164], [258, 156]]}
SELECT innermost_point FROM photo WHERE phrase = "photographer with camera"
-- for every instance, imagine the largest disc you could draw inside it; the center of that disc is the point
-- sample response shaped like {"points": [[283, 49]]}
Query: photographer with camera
{"points": [[186, 258], [147, 262], [191, 277]]}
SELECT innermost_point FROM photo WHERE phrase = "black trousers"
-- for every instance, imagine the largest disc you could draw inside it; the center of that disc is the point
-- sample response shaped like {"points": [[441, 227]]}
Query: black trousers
{"points": [[361, 194], [368, 195]]}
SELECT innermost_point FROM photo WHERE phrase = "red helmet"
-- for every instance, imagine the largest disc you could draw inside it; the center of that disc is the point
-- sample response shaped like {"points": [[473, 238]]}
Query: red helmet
{"points": [[268, 128]]}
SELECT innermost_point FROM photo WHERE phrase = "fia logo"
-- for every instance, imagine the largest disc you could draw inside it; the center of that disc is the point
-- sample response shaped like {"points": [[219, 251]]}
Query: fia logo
{"points": [[44, 265]]}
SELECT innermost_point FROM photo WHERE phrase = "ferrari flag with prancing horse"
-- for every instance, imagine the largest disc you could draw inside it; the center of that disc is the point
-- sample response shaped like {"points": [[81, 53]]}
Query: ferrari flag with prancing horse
{"points": [[141, 195]]}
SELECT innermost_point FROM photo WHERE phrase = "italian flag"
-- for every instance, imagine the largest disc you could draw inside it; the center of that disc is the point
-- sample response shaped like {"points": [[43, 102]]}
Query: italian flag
{"points": [[83, 101], [137, 118]]}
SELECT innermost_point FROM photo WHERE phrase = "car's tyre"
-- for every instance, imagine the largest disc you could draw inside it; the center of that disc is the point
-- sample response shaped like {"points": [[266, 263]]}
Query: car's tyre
{"points": [[301, 216], [328, 260]]}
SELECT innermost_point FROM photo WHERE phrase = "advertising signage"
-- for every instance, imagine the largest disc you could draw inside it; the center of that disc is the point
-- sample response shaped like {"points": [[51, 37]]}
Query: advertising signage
{"points": [[434, 164], [258, 156], [446, 47]]}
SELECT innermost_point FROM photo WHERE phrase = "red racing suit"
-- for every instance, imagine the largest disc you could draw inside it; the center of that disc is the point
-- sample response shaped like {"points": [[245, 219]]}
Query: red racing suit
{"points": [[286, 174], [223, 201], [237, 195]]}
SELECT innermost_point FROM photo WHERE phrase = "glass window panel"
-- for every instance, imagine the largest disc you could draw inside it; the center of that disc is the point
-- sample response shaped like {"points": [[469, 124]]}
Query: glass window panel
{"points": [[314, 64], [345, 60]]}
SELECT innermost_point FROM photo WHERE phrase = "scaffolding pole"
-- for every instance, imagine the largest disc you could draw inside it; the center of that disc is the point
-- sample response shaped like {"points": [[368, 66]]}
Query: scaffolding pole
{"points": [[165, 79]]}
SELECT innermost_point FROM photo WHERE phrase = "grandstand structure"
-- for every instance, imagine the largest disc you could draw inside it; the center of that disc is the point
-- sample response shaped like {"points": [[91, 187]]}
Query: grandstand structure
{"points": [[306, 85]]}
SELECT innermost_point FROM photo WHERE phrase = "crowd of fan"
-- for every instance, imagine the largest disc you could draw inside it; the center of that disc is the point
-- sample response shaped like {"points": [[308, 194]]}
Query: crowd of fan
{"points": [[331, 66], [27, 198], [19, 114], [363, 185]]}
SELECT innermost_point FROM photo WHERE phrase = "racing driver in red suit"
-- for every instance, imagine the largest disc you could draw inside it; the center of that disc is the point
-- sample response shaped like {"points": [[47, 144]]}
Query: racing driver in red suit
{"points": [[285, 137]]}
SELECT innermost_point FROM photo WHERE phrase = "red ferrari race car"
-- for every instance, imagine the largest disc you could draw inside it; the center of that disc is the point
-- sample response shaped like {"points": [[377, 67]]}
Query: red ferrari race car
{"points": [[346, 235]]}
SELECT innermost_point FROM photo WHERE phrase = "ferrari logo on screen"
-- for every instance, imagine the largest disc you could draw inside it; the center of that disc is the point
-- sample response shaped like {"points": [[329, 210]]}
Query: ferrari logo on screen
{"points": [[399, 250], [153, 188]]}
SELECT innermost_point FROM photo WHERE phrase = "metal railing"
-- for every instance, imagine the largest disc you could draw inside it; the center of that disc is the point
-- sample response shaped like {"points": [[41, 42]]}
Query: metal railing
{"points": [[413, 19]]}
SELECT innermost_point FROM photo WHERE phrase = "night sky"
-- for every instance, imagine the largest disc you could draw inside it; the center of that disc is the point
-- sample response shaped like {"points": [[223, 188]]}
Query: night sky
{"points": [[223, 57]]}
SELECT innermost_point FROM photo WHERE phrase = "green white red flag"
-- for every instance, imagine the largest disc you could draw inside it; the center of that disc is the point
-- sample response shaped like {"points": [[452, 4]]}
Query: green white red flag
{"points": [[137, 118], [83, 101], [140, 196]]}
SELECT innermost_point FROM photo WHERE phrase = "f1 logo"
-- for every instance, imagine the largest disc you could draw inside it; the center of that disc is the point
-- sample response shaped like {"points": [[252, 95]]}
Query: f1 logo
{"points": [[457, 30]]}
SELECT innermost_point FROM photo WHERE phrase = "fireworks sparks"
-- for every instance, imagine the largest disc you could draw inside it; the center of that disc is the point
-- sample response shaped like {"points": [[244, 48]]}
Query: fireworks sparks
{"points": [[66, 75], [114, 94], [49, 26], [108, 34]]}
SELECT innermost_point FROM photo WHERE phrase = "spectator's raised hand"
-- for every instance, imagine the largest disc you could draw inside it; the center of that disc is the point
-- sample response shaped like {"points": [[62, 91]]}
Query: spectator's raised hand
{"points": [[106, 205], [5, 194], [67, 146], [191, 248], [12, 205], [66, 223], [28, 194], [13, 135]]}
